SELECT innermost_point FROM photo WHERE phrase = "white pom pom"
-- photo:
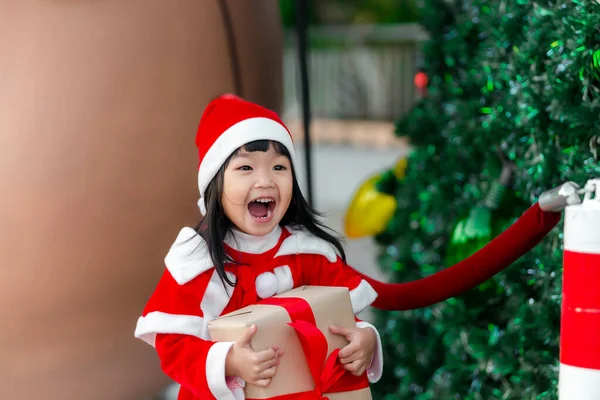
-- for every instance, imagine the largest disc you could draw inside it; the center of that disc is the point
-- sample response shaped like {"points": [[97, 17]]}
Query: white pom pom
{"points": [[266, 285]]}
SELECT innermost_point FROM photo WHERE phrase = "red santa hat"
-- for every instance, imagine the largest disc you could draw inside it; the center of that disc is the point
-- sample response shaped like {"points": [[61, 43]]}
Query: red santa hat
{"points": [[229, 122]]}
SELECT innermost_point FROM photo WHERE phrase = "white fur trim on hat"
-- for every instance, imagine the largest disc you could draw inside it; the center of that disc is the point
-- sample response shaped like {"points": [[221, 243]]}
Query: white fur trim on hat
{"points": [[234, 137], [202, 206]]}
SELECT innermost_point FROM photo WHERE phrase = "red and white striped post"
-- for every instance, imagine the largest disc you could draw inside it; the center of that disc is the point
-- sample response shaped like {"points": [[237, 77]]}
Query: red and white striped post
{"points": [[579, 374]]}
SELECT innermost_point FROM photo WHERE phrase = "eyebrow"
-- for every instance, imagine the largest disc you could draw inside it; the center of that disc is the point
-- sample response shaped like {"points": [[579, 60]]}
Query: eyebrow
{"points": [[248, 154], [238, 155]]}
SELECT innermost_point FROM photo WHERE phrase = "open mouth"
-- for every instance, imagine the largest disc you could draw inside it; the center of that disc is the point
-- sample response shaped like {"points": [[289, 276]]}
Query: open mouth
{"points": [[261, 209]]}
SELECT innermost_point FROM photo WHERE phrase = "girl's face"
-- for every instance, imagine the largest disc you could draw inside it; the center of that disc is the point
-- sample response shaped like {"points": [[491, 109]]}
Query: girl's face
{"points": [[257, 190]]}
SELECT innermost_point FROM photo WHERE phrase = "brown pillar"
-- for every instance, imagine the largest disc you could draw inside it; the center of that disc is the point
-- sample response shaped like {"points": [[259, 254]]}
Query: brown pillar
{"points": [[99, 102]]}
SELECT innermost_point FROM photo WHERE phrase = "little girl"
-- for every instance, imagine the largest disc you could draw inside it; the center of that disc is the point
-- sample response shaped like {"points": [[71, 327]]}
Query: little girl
{"points": [[258, 237]]}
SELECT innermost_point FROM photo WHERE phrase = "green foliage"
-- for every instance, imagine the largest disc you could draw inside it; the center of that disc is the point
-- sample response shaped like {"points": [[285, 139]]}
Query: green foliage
{"points": [[353, 11], [518, 75], [287, 9]]}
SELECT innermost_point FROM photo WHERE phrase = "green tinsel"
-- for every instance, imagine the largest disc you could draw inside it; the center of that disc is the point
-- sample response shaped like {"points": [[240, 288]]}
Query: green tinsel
{"points": [[524, 77]]}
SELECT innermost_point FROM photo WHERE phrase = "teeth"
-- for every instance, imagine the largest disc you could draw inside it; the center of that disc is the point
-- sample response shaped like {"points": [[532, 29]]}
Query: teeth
{"points": [[266, 216], [263, 200]]}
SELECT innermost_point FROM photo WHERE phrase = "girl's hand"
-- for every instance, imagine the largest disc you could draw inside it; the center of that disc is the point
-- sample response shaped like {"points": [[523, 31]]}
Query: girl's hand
{"points": [[357, 355], [255, 368]]}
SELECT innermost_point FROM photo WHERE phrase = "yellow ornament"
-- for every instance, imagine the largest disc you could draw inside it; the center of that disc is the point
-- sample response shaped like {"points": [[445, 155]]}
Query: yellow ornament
{"points": [[400, 168], [370, 210]]}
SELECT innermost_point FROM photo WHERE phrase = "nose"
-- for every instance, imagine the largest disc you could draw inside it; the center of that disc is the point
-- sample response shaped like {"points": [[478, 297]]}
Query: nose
{"points": [[264, 179]]}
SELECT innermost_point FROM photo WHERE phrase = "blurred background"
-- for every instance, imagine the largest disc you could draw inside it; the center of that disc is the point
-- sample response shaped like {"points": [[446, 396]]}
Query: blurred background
{"points": [[362, 60], [432, 125], [99, 107]]}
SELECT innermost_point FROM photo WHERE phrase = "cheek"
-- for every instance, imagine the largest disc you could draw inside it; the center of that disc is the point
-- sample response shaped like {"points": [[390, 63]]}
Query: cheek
{"points": [[232, 202], [234, 192], [285, 189], [235, 196]]}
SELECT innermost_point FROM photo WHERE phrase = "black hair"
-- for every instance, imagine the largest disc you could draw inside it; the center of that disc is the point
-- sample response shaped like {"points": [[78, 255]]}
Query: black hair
{"points": [[215, 225]]}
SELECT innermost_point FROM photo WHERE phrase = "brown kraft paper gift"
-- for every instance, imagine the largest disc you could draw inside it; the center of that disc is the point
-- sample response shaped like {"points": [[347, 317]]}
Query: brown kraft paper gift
{"points": [[330, 306]]}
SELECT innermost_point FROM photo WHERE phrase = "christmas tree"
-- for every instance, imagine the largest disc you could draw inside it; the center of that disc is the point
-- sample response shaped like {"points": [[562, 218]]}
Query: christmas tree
{"points": [[517, 78]]}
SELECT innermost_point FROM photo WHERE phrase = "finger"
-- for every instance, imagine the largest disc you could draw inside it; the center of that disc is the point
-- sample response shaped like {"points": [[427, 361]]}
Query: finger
{"points": [[360, 367], [338, 330], [267, 364], [244, 341], [348, 350], [351, 358], [268, 373], [355, 367], [278, 352], [261, 357], [349, 367], [262, 382], [361, 370]]}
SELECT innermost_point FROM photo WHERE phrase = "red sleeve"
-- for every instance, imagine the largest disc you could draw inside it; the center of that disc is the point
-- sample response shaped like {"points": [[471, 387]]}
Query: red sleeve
{"points": [[501, 252], [197, 365], [174, 321]]}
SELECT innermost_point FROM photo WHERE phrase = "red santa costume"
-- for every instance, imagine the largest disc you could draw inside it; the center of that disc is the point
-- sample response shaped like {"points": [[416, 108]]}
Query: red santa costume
{"points": [[190, 293]]}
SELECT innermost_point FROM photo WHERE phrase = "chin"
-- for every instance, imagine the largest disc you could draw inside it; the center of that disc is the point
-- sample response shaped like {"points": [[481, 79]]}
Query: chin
{"points": [[256, 228], [258, 232]]}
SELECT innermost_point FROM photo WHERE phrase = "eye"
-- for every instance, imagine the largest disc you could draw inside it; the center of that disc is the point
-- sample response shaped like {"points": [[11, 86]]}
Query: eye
{"points": [[279, 168], [245, 168]]}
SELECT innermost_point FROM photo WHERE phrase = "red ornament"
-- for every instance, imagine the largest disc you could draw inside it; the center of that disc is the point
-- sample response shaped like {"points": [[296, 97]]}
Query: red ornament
{"points": [[421, 80]]}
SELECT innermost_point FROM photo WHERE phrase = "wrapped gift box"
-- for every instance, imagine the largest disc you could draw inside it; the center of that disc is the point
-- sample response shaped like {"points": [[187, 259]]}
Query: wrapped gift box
{"points": [[286, 320]]}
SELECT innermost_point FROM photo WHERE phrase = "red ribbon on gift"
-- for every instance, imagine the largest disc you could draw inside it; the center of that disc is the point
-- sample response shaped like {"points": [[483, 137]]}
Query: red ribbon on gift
{"points": [[328, 373]]}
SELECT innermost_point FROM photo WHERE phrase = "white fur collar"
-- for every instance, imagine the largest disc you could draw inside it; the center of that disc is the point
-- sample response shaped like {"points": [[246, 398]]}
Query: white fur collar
{"points": [[188, 256], [253, 244]]}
